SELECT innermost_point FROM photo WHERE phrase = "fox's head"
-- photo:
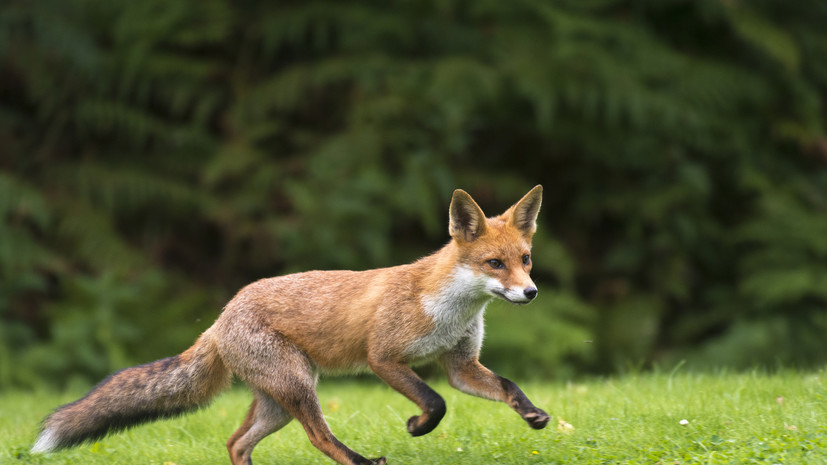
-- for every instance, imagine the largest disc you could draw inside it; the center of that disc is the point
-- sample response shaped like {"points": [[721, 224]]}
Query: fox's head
{"points": [[497, 250]]}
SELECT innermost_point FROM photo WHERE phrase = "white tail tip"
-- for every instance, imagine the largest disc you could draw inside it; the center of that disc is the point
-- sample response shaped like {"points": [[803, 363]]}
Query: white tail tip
{"points": [[46, 442]]}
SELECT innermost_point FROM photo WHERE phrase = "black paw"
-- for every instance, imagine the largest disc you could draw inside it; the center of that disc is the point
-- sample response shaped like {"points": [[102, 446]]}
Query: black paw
{"points": [[537, 418], [418, 427], [379, 461]]}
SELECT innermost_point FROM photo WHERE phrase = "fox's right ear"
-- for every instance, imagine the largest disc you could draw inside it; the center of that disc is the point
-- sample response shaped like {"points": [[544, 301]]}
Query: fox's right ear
{"points": [[524, 213], [466, 219]]}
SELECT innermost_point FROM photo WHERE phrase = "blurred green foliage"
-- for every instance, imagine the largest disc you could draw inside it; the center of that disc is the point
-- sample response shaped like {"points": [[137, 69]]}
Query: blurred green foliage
{"points": [[155, 156]]}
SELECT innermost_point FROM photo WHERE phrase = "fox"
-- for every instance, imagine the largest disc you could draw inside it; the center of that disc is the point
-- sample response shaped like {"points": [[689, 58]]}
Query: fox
{"points": [[278, 335]]}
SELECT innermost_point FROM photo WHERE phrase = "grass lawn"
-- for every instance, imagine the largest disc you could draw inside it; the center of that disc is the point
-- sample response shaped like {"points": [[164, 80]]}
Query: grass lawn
{"points": [[730, 419]]}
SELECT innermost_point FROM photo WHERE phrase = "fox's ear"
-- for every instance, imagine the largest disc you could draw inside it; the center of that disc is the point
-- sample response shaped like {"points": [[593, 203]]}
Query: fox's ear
{"points": [[524, 213], [466, 219]]}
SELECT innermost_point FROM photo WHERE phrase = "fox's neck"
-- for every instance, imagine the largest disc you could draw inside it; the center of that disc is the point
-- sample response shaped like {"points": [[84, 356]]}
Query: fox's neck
{"points": [[453, 291], [452, 299]]}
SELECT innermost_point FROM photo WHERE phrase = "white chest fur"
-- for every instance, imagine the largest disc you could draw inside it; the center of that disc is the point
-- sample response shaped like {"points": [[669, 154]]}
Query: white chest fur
{"points": [[457, 313]]}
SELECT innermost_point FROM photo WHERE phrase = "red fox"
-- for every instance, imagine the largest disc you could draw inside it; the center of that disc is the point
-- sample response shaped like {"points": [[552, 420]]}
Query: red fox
{"points": [[278, 334]]}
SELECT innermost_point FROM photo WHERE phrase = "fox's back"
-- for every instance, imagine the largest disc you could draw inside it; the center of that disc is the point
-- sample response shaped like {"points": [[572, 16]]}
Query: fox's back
{"points": [[330, 315]]}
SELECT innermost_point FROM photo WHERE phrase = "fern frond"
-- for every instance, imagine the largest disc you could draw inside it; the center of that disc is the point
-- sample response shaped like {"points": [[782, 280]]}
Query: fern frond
{"points": [[22, 202], [123, 190], [765, 37], [25, 216], [134, 123], [90, 237]]}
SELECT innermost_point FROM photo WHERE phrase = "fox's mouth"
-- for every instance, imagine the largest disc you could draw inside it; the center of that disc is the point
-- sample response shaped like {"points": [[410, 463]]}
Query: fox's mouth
{"points": [[501, 295]]}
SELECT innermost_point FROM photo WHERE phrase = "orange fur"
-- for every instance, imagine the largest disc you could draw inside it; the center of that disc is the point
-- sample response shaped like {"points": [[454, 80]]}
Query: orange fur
{"points": [[276, 334]]}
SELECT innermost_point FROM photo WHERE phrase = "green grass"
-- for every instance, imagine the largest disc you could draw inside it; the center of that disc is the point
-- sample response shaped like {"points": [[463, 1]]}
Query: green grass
{"points": [[733, 419]]}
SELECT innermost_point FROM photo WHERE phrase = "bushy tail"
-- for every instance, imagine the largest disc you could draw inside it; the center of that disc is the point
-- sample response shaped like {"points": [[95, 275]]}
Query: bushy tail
{"points": [[161, 389]]}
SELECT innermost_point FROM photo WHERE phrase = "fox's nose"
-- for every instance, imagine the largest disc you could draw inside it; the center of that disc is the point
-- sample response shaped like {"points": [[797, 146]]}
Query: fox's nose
{"points": [[530, 292]]}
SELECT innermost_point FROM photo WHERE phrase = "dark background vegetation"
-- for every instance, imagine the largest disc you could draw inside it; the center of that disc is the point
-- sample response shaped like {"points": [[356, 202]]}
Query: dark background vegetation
{"points": [[157, 155]]}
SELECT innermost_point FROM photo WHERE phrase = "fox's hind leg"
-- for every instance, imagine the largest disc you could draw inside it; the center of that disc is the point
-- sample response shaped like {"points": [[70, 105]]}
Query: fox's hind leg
{"points": [[304, 406], [285, 383], [264, 418], [294, 387]]}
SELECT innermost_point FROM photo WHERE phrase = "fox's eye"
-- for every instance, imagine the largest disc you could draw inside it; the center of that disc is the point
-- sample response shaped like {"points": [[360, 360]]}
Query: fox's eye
{"points": [[496, 264], [526, 259]]}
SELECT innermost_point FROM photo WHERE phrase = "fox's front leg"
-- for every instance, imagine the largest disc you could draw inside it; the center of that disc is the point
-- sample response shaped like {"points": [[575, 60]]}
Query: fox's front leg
{"points": [[403, 379], [468, 375]]}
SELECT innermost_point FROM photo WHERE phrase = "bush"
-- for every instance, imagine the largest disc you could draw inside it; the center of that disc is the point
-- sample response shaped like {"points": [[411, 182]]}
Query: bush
{"points": [[155, 147]]}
